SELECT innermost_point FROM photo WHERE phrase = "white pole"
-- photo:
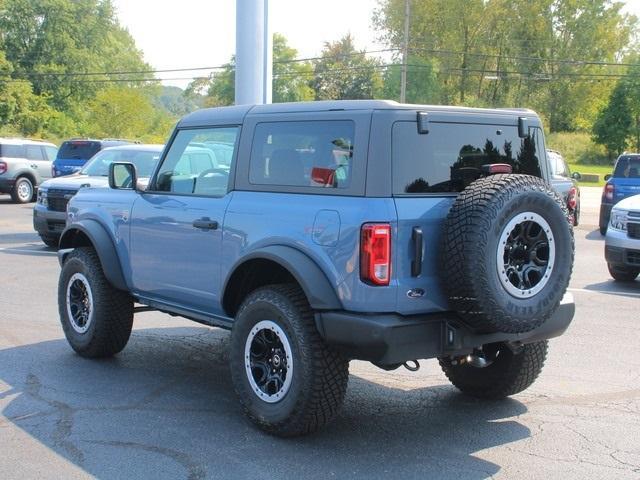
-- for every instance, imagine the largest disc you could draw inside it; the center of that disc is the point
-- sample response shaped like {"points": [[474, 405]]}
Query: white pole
{"points": [[253, 71]]}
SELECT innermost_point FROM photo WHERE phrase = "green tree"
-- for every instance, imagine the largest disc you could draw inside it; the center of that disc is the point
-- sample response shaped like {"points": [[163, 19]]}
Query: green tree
{"points": [[422, 82], [613, 125], [46, 40], [290, 79], [342, 72], [123, 112]]}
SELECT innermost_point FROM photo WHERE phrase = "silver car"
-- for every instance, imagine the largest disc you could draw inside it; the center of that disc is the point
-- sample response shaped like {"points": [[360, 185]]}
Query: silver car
{"points": [[24, 164], [622, 243], [49, 213]]}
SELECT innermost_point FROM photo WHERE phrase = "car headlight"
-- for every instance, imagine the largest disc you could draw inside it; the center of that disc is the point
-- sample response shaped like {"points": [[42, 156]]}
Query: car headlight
{"points": [[42, 197], [619, 220]]}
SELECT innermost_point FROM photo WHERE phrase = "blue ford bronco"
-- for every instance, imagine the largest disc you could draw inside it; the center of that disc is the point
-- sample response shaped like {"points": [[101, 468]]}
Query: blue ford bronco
{"points": [[337, 230]]}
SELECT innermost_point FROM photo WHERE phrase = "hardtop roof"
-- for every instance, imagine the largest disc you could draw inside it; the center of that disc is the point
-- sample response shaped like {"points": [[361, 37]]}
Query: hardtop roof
{"points": [[236, 114]]}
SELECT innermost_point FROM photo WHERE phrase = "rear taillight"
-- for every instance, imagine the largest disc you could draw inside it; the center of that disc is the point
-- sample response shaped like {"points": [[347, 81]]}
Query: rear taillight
{"points": [[375, 253], [608, 191], [572, 201], [3, 167], [53, 171]]}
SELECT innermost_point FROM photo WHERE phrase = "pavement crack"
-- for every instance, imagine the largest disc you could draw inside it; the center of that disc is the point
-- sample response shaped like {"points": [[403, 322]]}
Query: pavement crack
{"points": [[64, 423], [195, 470]]}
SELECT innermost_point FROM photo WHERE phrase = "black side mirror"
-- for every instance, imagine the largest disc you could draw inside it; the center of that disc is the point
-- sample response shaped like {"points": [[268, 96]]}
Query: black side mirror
{"points": [[607, 177], [523, 127], [123, 176]]}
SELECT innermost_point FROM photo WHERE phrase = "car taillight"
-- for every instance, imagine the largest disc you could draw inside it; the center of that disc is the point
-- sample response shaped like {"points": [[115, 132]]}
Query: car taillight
{"points": [[3, 167], [375, 253], [53, 171], [572, 201], [608, 191]]}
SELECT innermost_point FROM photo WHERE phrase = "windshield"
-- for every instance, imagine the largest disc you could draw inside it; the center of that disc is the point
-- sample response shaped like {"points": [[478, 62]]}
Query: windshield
{"points": [[78, 149], [145, 162]]}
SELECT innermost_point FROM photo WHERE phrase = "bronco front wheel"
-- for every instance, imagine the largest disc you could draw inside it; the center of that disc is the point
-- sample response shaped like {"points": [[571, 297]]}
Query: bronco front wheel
{"points": [[96, 318], [287, 379]]}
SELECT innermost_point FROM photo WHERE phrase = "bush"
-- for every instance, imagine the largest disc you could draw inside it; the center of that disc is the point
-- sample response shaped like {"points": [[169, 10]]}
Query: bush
{"points": [[578, 148]]}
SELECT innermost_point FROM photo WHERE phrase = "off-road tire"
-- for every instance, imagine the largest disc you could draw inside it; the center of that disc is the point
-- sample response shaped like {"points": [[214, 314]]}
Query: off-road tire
{"points": [[472, 239], [111, 318], [50, 240], [623, 274], [510, 373], [16, 193], [320, 373]]}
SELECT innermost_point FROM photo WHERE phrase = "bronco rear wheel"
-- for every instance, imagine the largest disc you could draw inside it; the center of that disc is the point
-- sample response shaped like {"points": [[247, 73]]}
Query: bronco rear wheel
{"points": [[508, 253], [96, 318], [287, 379]]}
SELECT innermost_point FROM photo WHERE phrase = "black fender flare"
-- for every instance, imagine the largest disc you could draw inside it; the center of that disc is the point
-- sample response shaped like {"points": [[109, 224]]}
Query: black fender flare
{"points": [[102, 244], [314, 283]]}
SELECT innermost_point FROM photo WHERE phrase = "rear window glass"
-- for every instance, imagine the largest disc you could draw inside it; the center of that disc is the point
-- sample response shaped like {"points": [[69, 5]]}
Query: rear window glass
{"points": [[12, 151], [303, 154], [451, 156], [80, 150], [627, 167]]}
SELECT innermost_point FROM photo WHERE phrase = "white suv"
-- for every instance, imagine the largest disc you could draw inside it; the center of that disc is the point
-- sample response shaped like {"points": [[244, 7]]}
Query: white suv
{"points": [[24, 164], [622, 244]]}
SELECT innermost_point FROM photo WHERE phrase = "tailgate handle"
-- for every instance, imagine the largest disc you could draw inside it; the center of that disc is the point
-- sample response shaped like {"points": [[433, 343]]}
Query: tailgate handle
{"points": [[418, 246]]}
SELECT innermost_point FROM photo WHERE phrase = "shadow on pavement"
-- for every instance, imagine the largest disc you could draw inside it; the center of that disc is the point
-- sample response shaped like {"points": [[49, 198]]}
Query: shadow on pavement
{"points": [[595, 235], [165, 408], [611, 287], [7, 238]]}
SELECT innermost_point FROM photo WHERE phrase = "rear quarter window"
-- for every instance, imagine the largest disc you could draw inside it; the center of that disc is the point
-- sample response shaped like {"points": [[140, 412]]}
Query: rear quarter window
{"points": [[314, 154], [451, 155], [627, 167], [80, 149], [12, 151]]}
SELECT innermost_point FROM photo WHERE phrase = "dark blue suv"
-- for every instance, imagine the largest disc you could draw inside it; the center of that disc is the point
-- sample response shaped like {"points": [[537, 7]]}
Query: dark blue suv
{"points": [[623, 183], [335, 231], [73, 154]]}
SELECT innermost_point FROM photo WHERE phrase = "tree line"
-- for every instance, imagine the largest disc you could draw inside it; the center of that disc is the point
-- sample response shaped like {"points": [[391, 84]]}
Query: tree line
{"points": [[576, 62]]}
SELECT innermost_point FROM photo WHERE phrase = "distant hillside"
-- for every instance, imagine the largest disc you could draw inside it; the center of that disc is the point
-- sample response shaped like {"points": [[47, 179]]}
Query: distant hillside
{"points": [[174, 101]]}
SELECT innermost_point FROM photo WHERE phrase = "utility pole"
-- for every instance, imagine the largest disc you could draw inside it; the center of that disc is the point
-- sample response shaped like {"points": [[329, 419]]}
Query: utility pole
{"points": [[405, 54], [253, 52]]}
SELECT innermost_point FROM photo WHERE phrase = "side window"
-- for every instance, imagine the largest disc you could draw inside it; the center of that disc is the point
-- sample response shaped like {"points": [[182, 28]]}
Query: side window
{"points": [[50, 153], [12, 151], [451, 156], [34, 152], [191, 166], [317, 154]]}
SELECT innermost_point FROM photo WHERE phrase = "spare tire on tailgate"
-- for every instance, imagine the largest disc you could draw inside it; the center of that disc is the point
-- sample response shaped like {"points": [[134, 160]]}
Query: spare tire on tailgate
{"points": [[508, 253]]}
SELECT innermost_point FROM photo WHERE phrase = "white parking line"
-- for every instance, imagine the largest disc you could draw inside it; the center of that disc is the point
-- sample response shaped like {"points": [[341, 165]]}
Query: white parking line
{"points": [[613, 292], [19, 250]]}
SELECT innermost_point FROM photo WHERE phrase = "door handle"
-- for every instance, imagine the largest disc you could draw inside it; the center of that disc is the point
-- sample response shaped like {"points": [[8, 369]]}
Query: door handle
{"points": [[418, 246], [205, 224]]}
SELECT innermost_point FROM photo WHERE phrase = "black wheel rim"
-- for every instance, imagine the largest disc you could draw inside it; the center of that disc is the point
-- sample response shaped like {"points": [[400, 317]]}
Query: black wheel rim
{"points": [[79, 302], [526, 254], [268, 361]]}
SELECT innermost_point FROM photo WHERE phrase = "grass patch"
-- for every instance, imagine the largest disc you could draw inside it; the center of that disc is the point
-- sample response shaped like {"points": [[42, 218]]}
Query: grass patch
{"points": [[601, 170], [578, 148]]}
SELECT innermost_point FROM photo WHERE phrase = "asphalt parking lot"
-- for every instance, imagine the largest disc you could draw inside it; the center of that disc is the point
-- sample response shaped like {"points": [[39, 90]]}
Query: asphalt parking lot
{"points": [[165, 408]]}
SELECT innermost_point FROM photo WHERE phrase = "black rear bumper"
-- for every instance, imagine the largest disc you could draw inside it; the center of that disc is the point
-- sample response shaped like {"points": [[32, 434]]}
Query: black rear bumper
{"points": [[389, 339]]}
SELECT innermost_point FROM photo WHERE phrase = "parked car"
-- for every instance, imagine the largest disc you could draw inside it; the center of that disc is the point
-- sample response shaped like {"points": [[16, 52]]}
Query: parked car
{"points": [[74, 153], [24, 164], [343, 230], [622, 241], [623, 183], [563, 181], [49, 213]]}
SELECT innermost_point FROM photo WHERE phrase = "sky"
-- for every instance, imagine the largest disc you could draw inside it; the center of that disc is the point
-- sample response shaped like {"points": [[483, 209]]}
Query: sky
{"points": [[201, 33]]}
